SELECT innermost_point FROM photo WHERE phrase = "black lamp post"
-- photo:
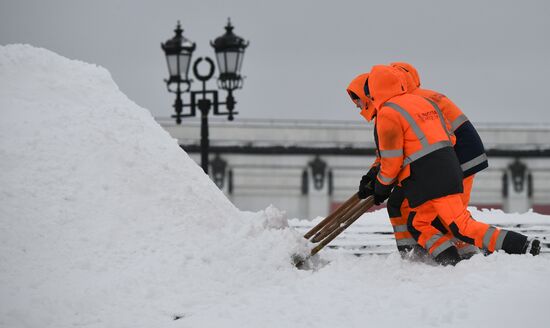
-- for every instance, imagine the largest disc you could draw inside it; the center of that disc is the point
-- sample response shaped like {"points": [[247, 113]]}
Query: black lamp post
{"points": [[229, 49]]}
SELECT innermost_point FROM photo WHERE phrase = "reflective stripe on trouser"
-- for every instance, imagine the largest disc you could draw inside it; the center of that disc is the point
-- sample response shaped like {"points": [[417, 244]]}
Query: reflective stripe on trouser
{"points": [[402, 235], [454, 214], [430, 238]]}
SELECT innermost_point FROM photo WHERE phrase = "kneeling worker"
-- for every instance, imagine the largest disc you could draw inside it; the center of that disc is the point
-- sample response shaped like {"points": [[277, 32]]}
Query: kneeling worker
{"points": [[416, 153], [468, 148]]}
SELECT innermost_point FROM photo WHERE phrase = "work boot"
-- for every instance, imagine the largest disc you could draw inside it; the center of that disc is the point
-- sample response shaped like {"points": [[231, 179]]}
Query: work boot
{"points": [[514, 242], [532, 247]]}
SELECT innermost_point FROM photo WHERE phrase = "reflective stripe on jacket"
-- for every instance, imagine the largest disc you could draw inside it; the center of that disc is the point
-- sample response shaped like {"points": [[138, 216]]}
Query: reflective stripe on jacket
{"points": [[413, 142], [406, 135], [469, 147]]}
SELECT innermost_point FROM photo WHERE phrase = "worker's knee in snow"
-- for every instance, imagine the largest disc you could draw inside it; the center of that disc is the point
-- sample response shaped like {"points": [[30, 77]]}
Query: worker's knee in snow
{"points": [[405, 251], [449, 256], [413, 252]]}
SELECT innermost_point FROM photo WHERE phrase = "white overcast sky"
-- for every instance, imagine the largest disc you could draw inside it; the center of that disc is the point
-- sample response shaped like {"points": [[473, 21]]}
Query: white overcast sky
{"points": [[489, 57]]}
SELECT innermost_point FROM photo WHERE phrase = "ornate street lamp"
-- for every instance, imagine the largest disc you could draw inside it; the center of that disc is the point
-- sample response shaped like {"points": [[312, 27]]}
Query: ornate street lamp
{"points": [[178, 51], [229, 49]]}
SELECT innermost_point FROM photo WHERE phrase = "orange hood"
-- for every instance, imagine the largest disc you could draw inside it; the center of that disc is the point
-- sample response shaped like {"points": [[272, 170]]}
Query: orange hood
{"points": [[385, 82], [357, 88], [411, 74]]}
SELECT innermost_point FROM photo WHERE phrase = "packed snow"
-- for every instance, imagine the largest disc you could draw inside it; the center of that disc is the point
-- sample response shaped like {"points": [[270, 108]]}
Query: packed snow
{"points": [[106, 222]]}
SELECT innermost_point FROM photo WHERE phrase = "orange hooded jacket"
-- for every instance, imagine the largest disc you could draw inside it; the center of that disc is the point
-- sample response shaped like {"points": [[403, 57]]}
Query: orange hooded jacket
{"points": [[469, 146], [452, 113], [408, 129]]}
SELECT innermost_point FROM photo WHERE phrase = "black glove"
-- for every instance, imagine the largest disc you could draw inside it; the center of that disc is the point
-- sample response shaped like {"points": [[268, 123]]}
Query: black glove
{"points": [[366, 186], [381, 192]]}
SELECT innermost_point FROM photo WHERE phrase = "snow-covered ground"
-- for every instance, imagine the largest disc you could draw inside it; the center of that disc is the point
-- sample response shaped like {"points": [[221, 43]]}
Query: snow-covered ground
{"points": [[106, 222]]}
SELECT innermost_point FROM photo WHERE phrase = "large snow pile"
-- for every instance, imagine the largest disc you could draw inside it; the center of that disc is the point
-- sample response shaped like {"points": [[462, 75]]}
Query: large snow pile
{"points": [[106, 222]]}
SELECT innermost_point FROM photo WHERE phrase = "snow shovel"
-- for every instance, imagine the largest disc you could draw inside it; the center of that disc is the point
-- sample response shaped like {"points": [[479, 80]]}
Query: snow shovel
{"points": [[334, 224]]}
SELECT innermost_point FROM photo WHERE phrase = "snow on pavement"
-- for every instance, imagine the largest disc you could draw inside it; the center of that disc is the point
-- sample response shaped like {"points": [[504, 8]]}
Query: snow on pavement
{"points": [[106, 222]]}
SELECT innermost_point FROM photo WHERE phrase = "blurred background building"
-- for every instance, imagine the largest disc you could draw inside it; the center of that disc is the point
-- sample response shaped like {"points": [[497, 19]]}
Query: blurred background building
{"points": [[309, 167]]}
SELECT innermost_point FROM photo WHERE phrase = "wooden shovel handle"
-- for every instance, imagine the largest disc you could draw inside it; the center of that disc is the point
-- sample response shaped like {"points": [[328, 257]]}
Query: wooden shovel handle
{"points": [[336, 222], [336, 214], [356, 213]]}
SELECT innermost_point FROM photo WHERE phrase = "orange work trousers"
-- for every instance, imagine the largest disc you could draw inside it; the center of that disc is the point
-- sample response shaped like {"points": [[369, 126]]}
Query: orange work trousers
{"points": [[434, 236], [454, 215]]}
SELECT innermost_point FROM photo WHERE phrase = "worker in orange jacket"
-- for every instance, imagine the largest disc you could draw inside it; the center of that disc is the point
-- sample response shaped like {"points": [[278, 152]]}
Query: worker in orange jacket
{"points": [[416, 153], [468, 148]]}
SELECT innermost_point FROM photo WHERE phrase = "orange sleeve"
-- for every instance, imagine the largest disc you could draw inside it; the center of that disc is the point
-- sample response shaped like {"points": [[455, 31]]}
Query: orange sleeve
{"points": [[390, 143], [449, 109], [453, 115]]}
